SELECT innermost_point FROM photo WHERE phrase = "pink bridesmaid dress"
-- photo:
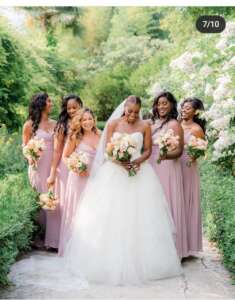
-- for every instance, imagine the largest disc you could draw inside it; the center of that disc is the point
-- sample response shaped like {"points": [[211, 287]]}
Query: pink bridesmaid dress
{"points": [[191, 182], [38, 179], [169, 173], [59, 191], [74, 188]]}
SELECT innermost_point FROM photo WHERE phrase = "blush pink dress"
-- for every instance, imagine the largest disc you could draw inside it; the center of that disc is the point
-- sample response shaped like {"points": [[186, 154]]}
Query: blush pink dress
{"points": [[74, 188], [55, 216], [38, 179], [191, 182], [171, 179]]}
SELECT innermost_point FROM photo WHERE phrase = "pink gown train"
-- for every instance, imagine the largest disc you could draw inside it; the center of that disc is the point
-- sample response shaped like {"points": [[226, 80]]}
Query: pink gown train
{"points": [[171, 179], [74, 188], [191, 182], [38, 179]]}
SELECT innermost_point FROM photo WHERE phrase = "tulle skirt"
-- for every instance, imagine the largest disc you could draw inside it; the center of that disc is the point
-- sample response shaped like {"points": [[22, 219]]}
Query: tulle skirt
{"points": [[122, 235], [123, 231]]}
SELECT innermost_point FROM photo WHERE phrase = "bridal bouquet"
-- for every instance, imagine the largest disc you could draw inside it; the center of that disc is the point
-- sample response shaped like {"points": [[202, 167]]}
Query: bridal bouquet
{"points": [[122, 147], [33, 150], [48, 201], [195, 148], [78, 162], [167, 142]]}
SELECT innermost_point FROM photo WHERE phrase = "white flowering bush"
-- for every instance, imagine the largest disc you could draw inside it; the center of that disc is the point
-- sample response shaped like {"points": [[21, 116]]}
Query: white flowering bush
{"points": [[207, 70]]}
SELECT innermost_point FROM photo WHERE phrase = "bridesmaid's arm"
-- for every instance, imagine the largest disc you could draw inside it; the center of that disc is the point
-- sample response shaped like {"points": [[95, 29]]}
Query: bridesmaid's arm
{"points": [[198, 132], [69, 147], [26, 136], [27, 133], [57, 153], [147, 145], [178, 130]]}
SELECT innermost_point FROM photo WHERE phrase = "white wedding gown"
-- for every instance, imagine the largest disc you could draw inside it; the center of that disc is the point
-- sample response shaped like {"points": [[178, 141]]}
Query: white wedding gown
{"points": [[122, 234]]}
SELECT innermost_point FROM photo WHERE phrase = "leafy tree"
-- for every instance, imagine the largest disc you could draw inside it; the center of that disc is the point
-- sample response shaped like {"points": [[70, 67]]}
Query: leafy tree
{"points": [[13, 80]]}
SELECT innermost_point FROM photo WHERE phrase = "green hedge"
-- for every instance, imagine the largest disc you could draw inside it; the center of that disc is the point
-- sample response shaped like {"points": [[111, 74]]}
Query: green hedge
{"points": [[17, 202], [101, 124], [218, 206], [17, 208]]}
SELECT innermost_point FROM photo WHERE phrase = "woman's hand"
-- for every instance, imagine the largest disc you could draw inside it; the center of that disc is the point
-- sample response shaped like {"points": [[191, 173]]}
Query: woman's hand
{"points": [[124, 164], [192, 159], [50, 181], [135, 164], [84, 173], [163, 157], [32, 162], [127, 165]]}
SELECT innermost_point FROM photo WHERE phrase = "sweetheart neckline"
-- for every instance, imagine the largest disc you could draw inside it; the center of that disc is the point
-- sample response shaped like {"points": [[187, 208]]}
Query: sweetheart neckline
{"points": [[94, 149], [129, 133], [51, 131]]}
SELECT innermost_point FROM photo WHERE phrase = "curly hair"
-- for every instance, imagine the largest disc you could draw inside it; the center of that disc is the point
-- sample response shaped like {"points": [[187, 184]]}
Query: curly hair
{"points": [[75, 129], [197, 104], [62, 123], [36, 107], [173, 114]]}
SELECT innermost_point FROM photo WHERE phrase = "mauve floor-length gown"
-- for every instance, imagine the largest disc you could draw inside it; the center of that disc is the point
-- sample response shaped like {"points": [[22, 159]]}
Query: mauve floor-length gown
{"points": [[171, 178], [38, 179], [191, 181], [74, 188]]}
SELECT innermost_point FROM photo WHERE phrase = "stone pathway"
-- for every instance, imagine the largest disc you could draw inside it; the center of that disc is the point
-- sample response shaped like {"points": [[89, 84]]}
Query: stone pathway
{"points": [[203, 278]]}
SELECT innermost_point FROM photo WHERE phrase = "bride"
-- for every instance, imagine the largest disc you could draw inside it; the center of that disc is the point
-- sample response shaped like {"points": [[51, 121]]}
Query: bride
{"points": [[123, 231]]}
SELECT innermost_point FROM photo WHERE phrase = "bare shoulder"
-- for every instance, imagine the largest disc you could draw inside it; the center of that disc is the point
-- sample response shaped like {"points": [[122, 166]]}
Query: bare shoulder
{"points": [[52, 123], [28, 125], [197, 131], [99, 132], [145, 125], [113, 124], [148, 121], [174, 124]]}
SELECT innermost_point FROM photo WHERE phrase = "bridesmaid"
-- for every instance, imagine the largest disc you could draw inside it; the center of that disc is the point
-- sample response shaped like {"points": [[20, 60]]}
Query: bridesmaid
{"points": [[169, 170], [59, 172], [192, 125], [83, 136], [41, 126]]}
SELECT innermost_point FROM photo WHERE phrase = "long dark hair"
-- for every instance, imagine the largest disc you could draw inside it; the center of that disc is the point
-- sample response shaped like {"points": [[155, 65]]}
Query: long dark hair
{"points": [[62, 123], [197, 104], [173, 114], [36, 107], [132, 99]]}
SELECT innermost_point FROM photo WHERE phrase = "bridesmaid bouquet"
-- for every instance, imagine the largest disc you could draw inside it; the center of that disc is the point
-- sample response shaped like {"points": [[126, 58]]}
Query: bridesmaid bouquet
{"points": [[78, 162], [48, 201], [33, 150], [195, 148], [167, 142], [121, 148]]}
